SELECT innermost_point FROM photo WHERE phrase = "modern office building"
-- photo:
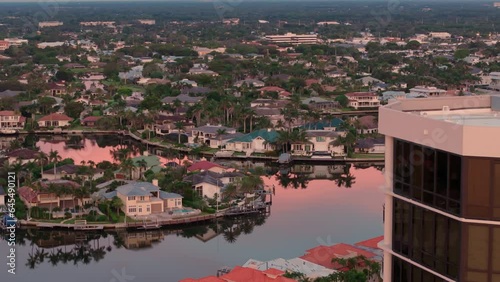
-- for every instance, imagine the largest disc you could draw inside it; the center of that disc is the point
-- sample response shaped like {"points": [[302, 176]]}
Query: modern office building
{"points": [[442, 203], [291, 38]]}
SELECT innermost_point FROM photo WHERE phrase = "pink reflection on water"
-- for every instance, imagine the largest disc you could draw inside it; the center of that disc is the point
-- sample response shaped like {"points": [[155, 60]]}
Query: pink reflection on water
{"points": [[90, 151]]}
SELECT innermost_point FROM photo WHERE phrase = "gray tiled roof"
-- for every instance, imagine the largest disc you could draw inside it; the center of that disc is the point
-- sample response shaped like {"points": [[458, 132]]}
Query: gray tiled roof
{"points": [[137, 189], [167, 195]]}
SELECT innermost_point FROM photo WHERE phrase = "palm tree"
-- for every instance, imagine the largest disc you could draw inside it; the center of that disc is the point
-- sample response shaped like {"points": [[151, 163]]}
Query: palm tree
{"points": [[179, 126], [54, 157], [230, 191], [128, 165], [17, 167], [117, 203], [40, 159], [142, 166], [220, 133]]}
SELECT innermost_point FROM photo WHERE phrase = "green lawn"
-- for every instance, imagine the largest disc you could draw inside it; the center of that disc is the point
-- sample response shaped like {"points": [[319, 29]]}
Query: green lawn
{"points": [[368, 156]]}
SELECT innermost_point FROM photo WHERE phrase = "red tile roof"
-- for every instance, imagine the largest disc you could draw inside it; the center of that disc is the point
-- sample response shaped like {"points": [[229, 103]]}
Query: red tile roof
{"points": [[205, 279], [245, 274], [9, 113], [371, 243], [91, 119], [272, 89], [323, 255], [59, 117], [203, 165], [28, 194]]}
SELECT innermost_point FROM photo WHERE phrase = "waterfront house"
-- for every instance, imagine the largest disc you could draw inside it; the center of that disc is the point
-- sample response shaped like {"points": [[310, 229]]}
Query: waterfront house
{"points": [[72, 171], [245, 274], [259, 141], [54, 120], [10, 120], [309, 269], [323, 255], [90, 121], [363, 100], [2, 197], [22, 155], [43, 194], [208, 183], [206, 165], [370, 146], [144, 198], [208, 135], [318, 142]]}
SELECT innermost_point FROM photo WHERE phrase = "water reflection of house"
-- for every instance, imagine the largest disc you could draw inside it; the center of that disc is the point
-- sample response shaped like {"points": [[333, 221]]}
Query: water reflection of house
{"points": [[317, 171], [57, 239], [140, 240], [209, 235]]}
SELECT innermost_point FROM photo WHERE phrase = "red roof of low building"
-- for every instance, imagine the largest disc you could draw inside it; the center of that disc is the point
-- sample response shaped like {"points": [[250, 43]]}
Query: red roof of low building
{"points": [[91, 119], [204, 279], [272, 89], [58, 117], [203, 165], [323, 255], [371, 243], [245, 274], [9, 113], [28, 194]]}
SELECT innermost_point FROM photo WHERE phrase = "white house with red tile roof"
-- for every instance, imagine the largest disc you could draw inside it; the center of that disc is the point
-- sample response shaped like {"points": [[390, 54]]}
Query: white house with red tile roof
{"points": [[54, 120], [10, 120], [245, 274], [323, 255]]}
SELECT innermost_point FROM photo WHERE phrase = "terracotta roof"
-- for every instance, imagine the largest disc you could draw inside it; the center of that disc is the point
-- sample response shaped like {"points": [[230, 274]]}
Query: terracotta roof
{"points": [[323, 255], [205, 279], [9, 113], [272, 89], [91, 119], [203, 165], [371, 243], [245, 274], [59, 117], [28, 194]]}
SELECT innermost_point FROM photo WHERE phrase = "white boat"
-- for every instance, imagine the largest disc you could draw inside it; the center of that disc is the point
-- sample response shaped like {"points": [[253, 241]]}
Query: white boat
{"points": [[8, 131]]}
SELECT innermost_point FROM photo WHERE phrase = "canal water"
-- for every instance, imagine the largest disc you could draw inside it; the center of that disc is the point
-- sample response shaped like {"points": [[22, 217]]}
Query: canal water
{"points": [[312, 205]]}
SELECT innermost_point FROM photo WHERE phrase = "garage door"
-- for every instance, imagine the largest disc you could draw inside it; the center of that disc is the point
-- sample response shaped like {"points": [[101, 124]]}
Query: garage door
{"points": [[156, 208]]}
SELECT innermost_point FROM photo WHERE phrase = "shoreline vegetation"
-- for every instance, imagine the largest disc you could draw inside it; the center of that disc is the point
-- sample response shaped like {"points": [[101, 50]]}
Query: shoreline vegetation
{"points": [[356, 157]]}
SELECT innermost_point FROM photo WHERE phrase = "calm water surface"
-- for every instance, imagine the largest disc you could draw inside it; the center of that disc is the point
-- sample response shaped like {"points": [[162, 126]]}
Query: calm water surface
{"points": [[300, 219]]}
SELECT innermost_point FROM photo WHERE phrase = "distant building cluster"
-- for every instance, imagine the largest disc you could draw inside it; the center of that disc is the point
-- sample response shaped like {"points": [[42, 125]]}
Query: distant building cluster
{"points": [[292, 38], [49, 24], [97, 23], [147, 22], [231, 21]]}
